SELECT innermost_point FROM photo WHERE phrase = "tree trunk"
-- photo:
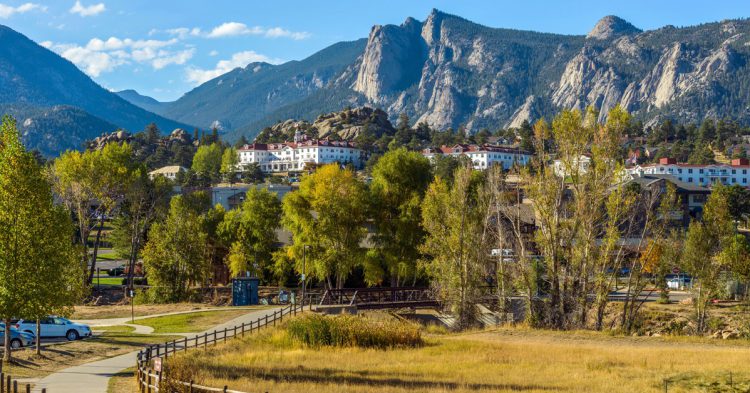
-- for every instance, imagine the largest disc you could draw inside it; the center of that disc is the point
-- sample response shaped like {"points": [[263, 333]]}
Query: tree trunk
{"points": [[7, 357], [92, 268], [38, 337]]}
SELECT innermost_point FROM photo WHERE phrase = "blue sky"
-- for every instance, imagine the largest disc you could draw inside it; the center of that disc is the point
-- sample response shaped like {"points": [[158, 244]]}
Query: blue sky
{"points": [[164, 48]]}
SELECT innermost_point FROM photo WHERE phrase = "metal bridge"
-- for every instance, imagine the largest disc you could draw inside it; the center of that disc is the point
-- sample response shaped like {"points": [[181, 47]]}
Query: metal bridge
{"points": [[380, 298]]}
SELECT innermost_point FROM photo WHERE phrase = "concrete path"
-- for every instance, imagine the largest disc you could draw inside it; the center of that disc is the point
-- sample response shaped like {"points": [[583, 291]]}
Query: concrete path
{"points": [[93, 377]]}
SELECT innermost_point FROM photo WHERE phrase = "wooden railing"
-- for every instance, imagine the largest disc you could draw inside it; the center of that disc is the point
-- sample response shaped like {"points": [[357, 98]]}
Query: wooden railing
{"points": [[149, 380], [10, 385]]}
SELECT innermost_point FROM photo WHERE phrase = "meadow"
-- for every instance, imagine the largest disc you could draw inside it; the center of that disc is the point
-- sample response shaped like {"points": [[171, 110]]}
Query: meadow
{"points": [[507, 359]]}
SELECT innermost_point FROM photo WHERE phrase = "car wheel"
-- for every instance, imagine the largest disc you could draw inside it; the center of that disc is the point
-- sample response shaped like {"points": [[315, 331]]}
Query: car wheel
{"points": [[71, 335], [16, 343]]}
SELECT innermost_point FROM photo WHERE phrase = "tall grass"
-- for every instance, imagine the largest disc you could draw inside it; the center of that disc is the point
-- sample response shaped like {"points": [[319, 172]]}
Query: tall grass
{"points": [[352, 331]]}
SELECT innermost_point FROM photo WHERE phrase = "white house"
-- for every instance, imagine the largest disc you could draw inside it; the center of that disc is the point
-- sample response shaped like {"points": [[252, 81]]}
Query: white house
{"points": [[482, 156], [738, 172], [583, 163], [170, 172], [295, 156]]}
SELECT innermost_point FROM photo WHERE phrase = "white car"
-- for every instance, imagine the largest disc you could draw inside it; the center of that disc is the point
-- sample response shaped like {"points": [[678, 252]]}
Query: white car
{"points": [[55, 327]]}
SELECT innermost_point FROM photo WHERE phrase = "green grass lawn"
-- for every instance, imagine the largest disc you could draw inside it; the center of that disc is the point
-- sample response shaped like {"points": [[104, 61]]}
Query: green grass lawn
{"points": [[111, 256], [191, 322], [108, 280]]}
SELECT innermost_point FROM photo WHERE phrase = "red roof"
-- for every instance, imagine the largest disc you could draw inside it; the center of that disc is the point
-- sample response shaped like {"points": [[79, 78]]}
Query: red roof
{"points": [[466, 148], [293, 145]]}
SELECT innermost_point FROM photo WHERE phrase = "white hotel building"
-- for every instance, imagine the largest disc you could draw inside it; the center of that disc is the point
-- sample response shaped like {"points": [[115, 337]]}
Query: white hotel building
{"points": [[482, 156], [295, 156], [738, 172]]}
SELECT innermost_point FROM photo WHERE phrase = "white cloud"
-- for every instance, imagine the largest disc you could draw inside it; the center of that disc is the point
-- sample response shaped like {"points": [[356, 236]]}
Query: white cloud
{"points": [[91, 10], [213, 53], [231, 29], [6, 11], [240, 59], [279, 32], [99, 56], [92, 62], [176, 58]]}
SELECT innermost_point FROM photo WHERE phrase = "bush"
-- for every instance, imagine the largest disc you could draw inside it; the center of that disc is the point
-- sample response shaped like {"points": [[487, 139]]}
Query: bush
{"points": [[352, 331], [136, 281]]}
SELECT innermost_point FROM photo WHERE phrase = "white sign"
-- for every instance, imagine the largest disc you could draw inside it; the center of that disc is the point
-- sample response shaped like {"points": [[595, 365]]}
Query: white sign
{"points": [[157, 364]]}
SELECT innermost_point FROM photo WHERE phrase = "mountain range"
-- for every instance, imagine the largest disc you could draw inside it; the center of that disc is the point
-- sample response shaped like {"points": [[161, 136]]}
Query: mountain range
{"points": [[56, 105], [450, 72], [446, 71]]}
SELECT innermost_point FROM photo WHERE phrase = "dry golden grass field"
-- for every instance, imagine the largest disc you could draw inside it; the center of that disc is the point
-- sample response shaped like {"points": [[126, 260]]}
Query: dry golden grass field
{"points": [[483, 361]]}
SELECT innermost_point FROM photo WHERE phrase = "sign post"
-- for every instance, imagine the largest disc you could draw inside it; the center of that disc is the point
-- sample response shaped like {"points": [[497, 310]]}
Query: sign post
{"points": [[130, 292]]}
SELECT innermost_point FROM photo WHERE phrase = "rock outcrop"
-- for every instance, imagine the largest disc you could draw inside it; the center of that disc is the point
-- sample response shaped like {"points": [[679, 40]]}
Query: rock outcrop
{"points": [[342, 125], [611, 26]]}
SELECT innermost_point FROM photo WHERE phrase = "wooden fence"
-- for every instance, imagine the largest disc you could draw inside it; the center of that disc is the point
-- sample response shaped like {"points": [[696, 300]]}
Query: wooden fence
{"points": [[149, 379], [9, 385]]}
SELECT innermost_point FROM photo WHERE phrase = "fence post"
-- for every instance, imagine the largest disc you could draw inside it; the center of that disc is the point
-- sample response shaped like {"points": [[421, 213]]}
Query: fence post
{"points": [[184, 344], [2, 382], [225, 388], [266, 321], [148, 381], [243, 329], [215, 337], [28, 388], [205, 340], [191, 386], [15, 386], [7, 386], [235, 331], [225, 334]]}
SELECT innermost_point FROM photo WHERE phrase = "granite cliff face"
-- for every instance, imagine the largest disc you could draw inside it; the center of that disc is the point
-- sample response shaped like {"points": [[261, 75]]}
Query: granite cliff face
{"points": [[449, 72]]}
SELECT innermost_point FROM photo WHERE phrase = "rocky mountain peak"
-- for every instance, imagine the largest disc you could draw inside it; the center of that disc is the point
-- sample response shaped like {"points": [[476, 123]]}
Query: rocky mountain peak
{"points": [[612, 26]]}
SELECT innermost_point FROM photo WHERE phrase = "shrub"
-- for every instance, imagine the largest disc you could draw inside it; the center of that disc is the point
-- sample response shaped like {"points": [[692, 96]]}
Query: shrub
{"points": [[352, 331], [136, 281]]}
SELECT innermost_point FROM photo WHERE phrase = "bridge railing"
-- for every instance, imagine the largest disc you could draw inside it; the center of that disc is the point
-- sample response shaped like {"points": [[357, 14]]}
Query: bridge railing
{"points": [[392, 295]]}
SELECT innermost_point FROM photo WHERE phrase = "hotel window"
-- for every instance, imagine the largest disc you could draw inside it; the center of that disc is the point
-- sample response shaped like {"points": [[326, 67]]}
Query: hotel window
{"points": [[690, 179], [700, 171], [690, 170]]}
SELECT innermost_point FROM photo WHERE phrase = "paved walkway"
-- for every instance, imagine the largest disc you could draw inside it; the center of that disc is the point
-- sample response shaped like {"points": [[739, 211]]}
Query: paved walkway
{"points": [[93, 377]]}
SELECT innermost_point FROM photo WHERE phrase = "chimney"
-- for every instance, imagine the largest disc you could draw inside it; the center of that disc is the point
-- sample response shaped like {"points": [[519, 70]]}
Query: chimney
{"points": [[740, 161], [667, 161]]}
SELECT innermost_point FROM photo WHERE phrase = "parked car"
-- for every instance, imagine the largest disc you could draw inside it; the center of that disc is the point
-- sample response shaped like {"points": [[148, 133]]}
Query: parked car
{"points": [[55, 327], [18, 339], [118, 271]]}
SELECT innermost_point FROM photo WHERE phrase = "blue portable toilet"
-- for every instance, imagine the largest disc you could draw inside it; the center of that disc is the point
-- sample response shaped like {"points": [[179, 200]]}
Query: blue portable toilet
{"points": [[245, 291]]}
